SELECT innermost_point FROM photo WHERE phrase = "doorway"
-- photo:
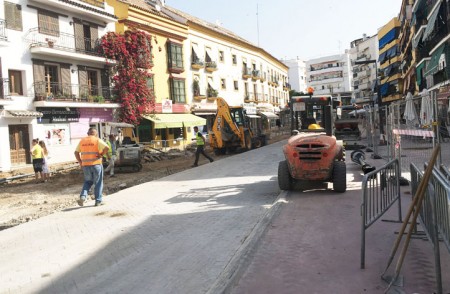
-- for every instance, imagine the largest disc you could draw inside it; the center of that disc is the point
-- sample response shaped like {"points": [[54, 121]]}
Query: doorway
{"points": [[19, 144]]}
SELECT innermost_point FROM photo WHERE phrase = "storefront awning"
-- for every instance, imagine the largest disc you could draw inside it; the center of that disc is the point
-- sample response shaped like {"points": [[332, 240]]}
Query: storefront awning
{"points": [[253, 116], [172, 120], [119, 125], [24, 113], [268, 114]]}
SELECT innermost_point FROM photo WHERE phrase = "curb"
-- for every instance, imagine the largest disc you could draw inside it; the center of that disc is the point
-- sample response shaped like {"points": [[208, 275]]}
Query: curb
{"points": [[241, 259]]}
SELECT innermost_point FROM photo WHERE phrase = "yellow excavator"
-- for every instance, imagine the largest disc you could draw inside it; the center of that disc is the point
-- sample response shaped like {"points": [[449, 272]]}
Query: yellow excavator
{"points": [[231, 130]]}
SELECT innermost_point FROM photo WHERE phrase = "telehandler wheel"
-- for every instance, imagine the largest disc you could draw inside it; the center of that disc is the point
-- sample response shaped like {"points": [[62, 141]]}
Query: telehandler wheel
{"points": [[248, 141], [284, 177], [339, 176]]}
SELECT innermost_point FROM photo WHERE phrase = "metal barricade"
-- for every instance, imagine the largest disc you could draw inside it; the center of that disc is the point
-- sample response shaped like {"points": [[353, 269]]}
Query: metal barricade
{"points": [[435, 213], [381, 189]]}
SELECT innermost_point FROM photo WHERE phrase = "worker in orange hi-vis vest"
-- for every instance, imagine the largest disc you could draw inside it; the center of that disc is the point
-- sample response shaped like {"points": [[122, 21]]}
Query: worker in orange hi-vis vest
{"points": [[89, 153]]}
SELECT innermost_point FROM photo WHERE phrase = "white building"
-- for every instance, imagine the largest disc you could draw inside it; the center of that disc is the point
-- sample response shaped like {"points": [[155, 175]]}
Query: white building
{"points": [[330, 75], [364, 58], [297, 74], [222, 64], [55, 83]]}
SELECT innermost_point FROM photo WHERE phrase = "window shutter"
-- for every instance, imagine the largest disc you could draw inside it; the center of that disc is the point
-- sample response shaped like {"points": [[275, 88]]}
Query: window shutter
{"points": [[65, 74], [94, 36], [13, 15], [48, 23], [79, 35], [39, 77]]}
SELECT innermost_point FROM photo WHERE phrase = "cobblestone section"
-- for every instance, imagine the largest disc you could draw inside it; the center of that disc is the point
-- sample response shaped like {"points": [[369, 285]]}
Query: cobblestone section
{"points": [[313, 246], [173, 235]]}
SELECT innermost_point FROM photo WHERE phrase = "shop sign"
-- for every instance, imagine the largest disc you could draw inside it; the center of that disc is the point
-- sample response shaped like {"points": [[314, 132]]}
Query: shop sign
{"points": [[166, 106], [58, 115]]}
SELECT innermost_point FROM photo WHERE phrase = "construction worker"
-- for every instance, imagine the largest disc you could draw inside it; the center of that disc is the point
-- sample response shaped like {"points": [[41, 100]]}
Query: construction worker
{"points": [[200, 147], [110, 157], [89, 153]]}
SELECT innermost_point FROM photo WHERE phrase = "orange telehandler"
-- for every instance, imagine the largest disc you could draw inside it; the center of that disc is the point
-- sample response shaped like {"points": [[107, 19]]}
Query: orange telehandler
{"points": [[231, 130]]}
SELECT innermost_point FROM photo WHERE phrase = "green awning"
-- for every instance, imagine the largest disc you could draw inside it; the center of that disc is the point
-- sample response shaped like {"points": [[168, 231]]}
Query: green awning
{"points": [[175, 120], [432, 66], [419, 73]]}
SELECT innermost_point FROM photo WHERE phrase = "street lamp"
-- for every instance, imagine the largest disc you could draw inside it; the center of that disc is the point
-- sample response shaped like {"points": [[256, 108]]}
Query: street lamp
{"points": [[377, 88]]}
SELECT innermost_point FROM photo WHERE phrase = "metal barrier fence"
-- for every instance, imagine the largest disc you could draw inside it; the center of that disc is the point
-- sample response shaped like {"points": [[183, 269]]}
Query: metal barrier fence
{"points": [[435, 213], [409, 130], [381, 189]]}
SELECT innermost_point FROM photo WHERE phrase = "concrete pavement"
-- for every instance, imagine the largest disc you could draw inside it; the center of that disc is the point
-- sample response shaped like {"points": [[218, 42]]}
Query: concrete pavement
{"points": [[178, 234], [211, 229]]}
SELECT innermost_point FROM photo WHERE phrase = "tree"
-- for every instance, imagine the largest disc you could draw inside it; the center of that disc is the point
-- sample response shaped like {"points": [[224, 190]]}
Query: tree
{"points": [[132, 53]]}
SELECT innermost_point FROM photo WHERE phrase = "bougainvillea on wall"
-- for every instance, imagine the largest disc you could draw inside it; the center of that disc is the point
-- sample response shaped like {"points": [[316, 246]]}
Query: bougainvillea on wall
{"points": [[132, 53]]}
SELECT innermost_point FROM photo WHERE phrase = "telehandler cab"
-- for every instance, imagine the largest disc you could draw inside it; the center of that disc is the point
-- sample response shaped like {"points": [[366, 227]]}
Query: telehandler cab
{"points": [[312, 153]]}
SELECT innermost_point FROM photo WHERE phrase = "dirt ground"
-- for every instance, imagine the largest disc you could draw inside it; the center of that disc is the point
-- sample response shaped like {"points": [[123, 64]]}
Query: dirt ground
{"points": [[23, 200]]}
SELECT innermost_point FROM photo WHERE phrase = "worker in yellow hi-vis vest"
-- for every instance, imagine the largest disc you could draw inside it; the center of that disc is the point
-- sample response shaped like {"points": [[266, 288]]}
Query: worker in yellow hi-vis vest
{"points": [[89, 153], [200, 147]]}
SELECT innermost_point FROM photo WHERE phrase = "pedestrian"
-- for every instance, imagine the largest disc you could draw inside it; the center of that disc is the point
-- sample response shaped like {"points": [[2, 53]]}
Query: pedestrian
{"points": [[111, 155], [37, 157], [200, 147], [46, 157], [89, 154]]}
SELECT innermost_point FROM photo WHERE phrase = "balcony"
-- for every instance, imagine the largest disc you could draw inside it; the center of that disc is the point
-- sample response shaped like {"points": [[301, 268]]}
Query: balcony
{"points": [[211, 66], [65, 46], [211, 93], [256, 75], [62, 92], [249, 97], [197, 64], [287, 87], [3, 36], [246, 73]]}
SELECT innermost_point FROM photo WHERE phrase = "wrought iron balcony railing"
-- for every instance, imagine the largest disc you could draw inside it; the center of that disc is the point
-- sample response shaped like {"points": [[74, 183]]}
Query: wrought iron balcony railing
{"points": [[211, 64], [3, 30], [64, 42], [73, 92]]}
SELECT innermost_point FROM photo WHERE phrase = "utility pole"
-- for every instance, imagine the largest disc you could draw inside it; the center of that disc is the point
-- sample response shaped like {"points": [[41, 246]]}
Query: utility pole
{"points": [[257, 22]]}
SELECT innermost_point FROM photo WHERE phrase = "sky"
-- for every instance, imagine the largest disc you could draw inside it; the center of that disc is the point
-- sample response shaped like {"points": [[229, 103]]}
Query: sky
{"points": [[288, 29]]}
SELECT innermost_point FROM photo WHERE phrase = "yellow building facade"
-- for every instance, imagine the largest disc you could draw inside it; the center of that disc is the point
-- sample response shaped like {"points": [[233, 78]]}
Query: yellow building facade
{"points": [[391, 85], [170, 123]]}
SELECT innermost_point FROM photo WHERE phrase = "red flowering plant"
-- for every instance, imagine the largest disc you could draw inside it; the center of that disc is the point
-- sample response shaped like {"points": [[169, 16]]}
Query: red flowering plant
{"points": [[132, 53]]}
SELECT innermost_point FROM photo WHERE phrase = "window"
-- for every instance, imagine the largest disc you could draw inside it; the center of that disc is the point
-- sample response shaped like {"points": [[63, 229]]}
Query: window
{"points": [[151, 84], [234, 59], [15, 82], [175, 57], [221, 58], [236, 85], [177, 91], [13, 16], [145, 60], [48, 23], [223, 83]]}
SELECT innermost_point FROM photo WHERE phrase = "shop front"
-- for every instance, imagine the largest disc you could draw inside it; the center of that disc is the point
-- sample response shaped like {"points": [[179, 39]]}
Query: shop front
{"points": [[61, 128], [170, 126]]}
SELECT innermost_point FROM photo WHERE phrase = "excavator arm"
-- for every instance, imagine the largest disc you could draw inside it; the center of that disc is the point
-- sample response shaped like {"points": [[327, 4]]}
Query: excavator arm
{"points": [[224, 126]]}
